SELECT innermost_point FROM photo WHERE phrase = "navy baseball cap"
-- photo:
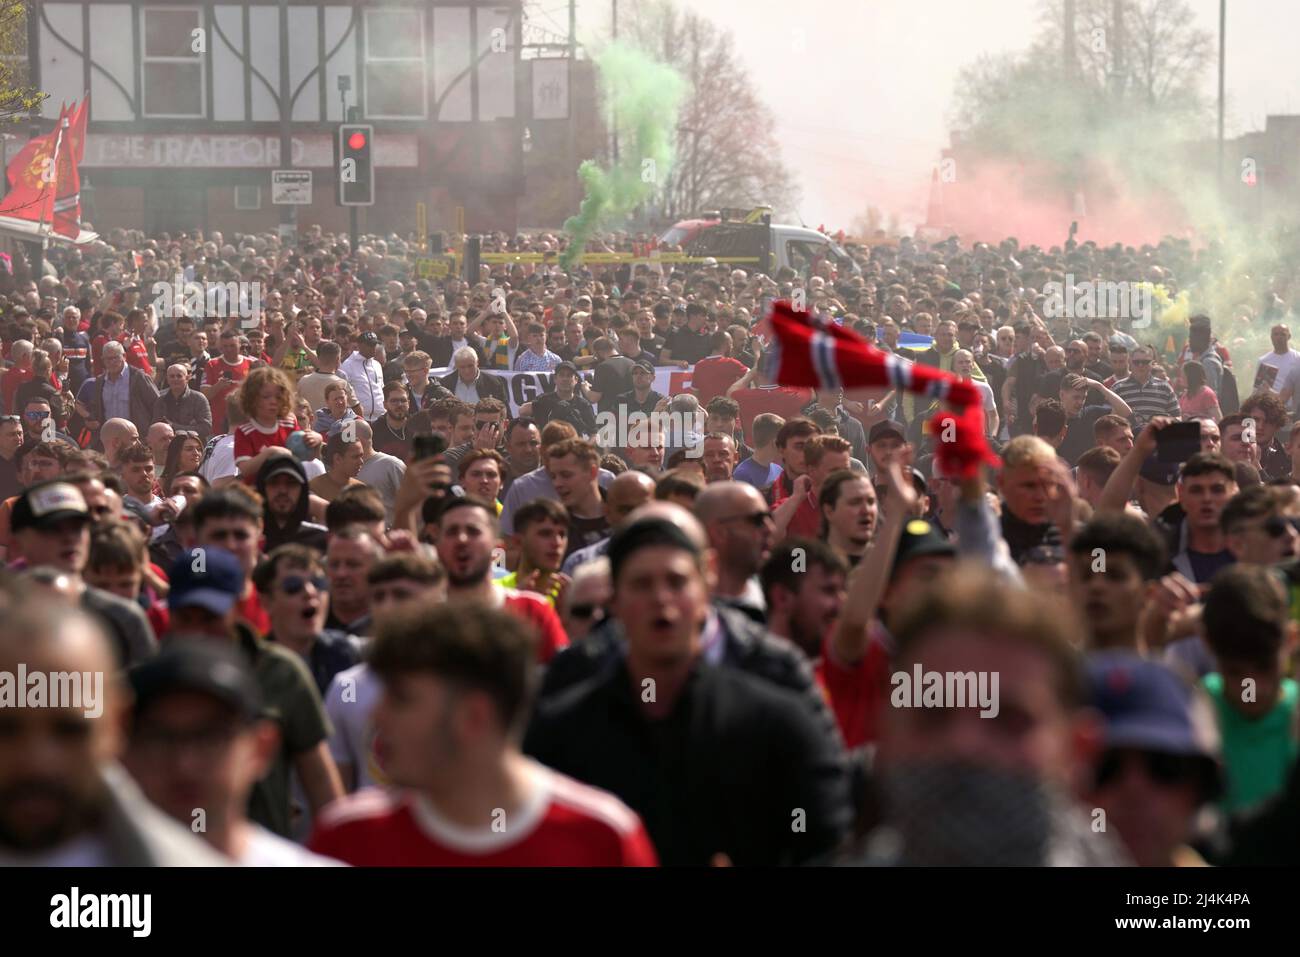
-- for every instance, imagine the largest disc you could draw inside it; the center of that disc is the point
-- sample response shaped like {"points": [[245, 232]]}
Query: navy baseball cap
{"points": [[1150, 707], [207, 578], [1161, 473]]}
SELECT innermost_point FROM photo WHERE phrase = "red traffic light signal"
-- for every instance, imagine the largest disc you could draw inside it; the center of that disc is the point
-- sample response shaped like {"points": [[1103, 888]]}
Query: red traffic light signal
{"points": [[357, 140]]}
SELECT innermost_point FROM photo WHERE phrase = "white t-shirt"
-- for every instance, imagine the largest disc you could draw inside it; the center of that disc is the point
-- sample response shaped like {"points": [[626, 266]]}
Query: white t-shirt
{"points": [[989, 403], [265, 849], [221, 463], [383, 473], [1274, 369], [350, 702]]}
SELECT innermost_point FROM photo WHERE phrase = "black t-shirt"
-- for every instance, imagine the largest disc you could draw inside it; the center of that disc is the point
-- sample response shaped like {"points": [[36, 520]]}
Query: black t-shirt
{"points": [[611, 379], [691, 346], [1078, 435], [629, 402], [392, 442], [1206, 564], [549, 407], [586, 531]]}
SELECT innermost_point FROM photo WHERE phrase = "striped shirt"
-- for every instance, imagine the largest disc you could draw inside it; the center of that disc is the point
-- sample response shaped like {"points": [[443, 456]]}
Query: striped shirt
{"points": [[1147, 401]]}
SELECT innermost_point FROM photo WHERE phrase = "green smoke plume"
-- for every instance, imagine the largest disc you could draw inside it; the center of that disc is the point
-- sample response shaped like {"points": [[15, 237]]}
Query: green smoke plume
{"points": [[645, 96]]}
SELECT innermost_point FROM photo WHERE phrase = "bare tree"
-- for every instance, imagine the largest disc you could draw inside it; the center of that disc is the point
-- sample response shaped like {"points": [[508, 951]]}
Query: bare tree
{"points": [[726, 148]]}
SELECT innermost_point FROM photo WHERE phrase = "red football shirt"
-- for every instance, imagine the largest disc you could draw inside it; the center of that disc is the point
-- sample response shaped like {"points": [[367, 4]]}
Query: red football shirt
{"points": [[538, 611], [807, 521], [251, 438], [562, 824], [712, 377], [857, 692], [786, 402], [217, 371]]}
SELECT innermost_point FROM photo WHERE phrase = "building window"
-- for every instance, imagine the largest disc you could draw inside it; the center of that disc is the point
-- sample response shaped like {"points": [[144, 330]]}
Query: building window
{"points": [[395, 76], [248, 197], [172, 72]]}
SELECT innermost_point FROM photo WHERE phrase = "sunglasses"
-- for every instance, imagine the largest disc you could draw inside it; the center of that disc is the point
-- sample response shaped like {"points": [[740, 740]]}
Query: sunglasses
{"points": [[584, 612], [1164, 769], [36, 416], [293, 584], [1276, 526], [185, 434], [1140, 362]]}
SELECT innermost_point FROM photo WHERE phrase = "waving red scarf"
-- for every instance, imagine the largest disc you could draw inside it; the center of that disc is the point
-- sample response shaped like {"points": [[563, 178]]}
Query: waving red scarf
{"points": [[810, 352]]}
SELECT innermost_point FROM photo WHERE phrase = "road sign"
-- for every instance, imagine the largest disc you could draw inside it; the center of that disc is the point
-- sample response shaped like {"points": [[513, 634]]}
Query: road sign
{"points": [[291, 187], [435, 268]]}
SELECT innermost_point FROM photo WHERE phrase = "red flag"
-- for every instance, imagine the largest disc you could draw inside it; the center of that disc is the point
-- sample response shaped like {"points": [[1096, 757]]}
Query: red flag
{"points": [[32, 175], [67, 201], [812, 352]]}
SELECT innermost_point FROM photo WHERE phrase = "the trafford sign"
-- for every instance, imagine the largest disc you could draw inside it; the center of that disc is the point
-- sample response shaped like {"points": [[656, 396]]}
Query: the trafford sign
{"points": [[233, 151]]}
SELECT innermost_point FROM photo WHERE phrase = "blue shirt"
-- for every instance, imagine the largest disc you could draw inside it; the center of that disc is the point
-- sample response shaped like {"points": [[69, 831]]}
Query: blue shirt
{"points": [[759, 476], [117, 395]]}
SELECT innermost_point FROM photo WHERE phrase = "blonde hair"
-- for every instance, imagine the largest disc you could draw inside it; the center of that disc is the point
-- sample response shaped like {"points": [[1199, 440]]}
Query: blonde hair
{"points": [[1027, 450]]}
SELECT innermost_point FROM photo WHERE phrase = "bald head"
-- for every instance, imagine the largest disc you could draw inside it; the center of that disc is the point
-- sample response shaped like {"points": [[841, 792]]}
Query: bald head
{"points": [[51, 785], [628, 492], [721, 500]]}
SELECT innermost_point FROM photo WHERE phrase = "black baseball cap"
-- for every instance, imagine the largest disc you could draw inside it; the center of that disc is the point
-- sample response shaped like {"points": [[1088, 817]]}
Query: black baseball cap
{"points": [[369, 337], [567, 366], [47, 504], [886, 428], [921, 538], [645, 364], [215, 668]]}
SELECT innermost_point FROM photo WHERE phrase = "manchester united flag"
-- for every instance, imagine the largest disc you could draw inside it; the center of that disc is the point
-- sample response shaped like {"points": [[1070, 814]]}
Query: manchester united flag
{"points": [[44, 181]]}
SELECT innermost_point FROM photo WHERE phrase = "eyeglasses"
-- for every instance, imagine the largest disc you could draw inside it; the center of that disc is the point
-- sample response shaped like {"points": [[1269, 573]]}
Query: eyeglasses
{"points": [[586, 611], [293, 584], [1164, 769]]}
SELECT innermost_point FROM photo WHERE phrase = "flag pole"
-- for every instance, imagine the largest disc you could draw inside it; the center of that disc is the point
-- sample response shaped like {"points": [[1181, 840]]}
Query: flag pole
{"points": [[42, 226]]}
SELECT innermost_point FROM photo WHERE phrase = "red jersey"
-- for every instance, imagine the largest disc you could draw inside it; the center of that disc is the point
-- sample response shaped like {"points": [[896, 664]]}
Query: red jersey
{"points": [[137, 354], [251, 438], [807, 521], [784, 401], [250, 611], [857, 692], [563, 824], [536, 610], [9, 386], [712, 377], [215, 372]]}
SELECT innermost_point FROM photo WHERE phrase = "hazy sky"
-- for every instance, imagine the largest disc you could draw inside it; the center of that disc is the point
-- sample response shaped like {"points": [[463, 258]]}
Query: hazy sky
{"points": [[861, 113]]}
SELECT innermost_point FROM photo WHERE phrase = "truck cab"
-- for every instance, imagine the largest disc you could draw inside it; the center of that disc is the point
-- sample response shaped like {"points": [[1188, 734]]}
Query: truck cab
{"points": [[753, 242]]}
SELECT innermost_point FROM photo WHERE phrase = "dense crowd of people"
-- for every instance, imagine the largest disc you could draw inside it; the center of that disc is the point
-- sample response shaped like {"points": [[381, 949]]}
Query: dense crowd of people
{"points": [[357, 598]]}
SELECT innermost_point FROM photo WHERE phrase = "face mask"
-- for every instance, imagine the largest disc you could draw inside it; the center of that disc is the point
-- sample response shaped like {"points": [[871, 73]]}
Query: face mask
{"points": [[951, 814]]}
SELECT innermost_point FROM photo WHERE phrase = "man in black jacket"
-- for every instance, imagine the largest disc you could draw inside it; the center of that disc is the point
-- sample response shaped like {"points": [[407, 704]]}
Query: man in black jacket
{"points": [[716, 756], [282, 483], [469, 384]]}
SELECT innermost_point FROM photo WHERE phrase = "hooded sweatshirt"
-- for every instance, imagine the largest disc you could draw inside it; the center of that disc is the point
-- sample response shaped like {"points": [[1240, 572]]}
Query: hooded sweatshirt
{"points": [[297, 530]]}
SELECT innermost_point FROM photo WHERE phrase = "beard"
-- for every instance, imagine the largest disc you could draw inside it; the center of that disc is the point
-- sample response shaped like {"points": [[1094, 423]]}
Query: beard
{"points": [[75, 813], [477, 573]]}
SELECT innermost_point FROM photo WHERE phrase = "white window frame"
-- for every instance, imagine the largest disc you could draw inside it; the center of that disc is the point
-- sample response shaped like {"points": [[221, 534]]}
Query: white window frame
{"points": [[146, 60], [418, 13]]}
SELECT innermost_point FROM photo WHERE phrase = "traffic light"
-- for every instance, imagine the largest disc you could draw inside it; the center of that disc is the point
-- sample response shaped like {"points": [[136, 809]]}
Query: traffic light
{"points": [[356, 165]]}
